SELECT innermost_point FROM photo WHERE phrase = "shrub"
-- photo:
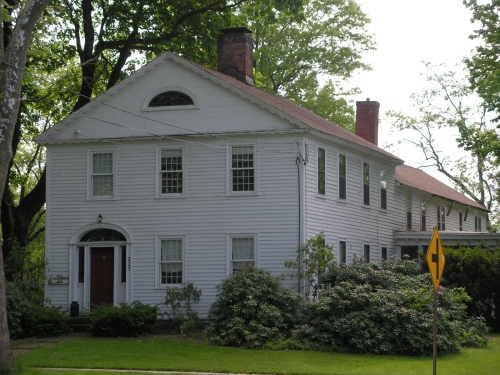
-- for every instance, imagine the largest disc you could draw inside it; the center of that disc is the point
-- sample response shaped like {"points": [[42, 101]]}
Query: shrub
{"points": [[17, 305], [252, 308], [387, 309], [45, 321], [122, 321], [178, 302], [478, 271]]}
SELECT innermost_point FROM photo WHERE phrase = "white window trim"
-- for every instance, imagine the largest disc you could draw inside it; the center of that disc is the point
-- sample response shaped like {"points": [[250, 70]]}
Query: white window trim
{"points": [[229, 190], [147, 100], [159, 238], [229, 246], [90, 153], [159, 194], [384, 170]]}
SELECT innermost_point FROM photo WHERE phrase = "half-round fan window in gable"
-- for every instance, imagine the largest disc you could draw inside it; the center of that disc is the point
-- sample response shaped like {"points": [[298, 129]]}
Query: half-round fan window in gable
{"points": [[171, 99]]}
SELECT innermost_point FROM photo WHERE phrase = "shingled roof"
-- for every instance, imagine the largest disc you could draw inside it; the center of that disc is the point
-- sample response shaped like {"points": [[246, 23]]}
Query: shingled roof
{"points": [[417, 179], [287, 108]]}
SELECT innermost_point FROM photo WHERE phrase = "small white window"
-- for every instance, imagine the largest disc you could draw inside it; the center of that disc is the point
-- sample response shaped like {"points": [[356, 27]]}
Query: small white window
{"points": [[242, 176], [342, 252], [101, 174], [242, 252], [171, 175], [170, 261]]}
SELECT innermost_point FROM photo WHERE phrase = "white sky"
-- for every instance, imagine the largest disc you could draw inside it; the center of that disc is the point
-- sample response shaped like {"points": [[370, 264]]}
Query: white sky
{"points": [[407, 33]]}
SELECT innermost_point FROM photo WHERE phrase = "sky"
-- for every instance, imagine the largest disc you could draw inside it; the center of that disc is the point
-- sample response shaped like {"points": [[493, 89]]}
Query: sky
{"points": [[407, 33]]}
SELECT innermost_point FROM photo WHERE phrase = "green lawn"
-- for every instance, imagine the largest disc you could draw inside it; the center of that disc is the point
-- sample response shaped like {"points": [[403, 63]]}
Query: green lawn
{"points": [[164, 353]]}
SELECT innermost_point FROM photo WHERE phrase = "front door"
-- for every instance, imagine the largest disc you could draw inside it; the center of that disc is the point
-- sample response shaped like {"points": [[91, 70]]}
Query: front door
{"points": [[102, 265]]}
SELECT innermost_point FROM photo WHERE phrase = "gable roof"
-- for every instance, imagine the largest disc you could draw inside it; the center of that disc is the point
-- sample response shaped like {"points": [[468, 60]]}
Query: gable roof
{"points": [[417, 179], [280, 106]]}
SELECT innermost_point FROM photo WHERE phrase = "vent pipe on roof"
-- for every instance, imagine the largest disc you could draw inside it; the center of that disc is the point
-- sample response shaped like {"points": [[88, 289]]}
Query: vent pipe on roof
{"points": [[235, 54], [367, 120]]}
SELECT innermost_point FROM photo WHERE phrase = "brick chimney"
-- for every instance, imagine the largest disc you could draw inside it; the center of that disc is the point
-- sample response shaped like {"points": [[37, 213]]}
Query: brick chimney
{"points": [[235, 54], [367, 120]]}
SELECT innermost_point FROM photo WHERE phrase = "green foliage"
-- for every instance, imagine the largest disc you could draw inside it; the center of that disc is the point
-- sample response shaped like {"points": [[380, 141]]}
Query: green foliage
{"points": [[314, 258], [45, 321], [483, 65], [386, 309], [252, 308], [179, 307], [27, 318], [294, 49], [478, 271], [125, 320]]}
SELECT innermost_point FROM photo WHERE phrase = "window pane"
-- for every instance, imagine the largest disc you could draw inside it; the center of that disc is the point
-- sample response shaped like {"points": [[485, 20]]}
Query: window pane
{"points": [[242, 252], [343, 252], [171, 273], [384, 253], [102, 163], [367, 252], [242, 168], [321, 170], [366, 183], [102, 186], [170, 98], [171, 171], [342, 177], [171, 250], [81, 264], [124, 264]]}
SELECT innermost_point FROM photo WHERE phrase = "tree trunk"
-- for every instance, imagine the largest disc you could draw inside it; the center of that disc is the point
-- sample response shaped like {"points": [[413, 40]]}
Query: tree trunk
{"points": [[13, 57]]}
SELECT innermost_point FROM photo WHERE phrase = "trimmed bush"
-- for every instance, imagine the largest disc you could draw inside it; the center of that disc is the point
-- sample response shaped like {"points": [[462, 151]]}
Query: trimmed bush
{"points": [[122, 321], [252, 308]]}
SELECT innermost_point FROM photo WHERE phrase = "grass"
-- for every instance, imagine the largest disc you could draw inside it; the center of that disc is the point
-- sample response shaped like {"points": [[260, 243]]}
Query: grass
{"points": [[167, 353]]}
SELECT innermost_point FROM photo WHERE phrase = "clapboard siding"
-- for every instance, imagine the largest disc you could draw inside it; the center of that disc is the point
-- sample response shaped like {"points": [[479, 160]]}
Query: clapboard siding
{"points": [[350, 220], [205, 216]]}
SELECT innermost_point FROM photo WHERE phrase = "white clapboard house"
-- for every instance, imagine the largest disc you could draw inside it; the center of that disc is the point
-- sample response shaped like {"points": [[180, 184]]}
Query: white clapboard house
{"points": [[184, 174]]}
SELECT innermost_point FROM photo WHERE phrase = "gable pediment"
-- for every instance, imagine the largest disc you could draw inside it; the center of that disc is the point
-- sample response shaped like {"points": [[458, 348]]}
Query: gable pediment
{"points": [[125, 111]]}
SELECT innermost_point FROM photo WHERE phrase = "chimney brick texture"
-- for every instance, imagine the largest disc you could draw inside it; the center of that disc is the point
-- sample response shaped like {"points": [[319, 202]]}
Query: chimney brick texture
{"points": [[367, 120], [235, 54]]}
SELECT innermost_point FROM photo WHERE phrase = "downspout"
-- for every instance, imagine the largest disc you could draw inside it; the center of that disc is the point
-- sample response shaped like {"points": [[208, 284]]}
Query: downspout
{"points": [[301, 161]]}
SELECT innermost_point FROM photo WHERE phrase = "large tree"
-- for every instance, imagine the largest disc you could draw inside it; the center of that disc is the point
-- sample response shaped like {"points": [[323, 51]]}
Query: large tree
{"points": [[307, 56], [449, 107], [17, 25], [484, 65], [94, 44]]}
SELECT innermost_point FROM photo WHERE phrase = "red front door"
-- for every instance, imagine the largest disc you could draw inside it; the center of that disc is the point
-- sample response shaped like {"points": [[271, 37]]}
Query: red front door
{"points": [[101, 275]]}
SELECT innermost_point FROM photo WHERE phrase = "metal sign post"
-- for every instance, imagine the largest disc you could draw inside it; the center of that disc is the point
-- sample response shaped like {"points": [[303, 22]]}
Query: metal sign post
{"points": [[436, 262]]}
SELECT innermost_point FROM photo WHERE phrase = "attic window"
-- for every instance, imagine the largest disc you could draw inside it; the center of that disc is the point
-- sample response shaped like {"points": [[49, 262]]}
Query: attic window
{"points": [[171, 99]]}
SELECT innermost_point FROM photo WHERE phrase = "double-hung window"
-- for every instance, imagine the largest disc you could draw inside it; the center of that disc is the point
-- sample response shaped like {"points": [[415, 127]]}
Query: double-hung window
{"points": [[102, 175], [242, 252], [321, 170], [441, 213], [342, 177], [477, 224], [366, 252], [383, 188], [171, 172], [409, 206], [242, 169], [423, 216], [170, 260], [342, 252], [366, 184]]}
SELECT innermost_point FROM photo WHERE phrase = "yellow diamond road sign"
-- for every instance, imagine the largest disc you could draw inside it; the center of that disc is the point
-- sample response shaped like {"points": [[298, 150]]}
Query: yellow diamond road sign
{"points": [[435, 259]]}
